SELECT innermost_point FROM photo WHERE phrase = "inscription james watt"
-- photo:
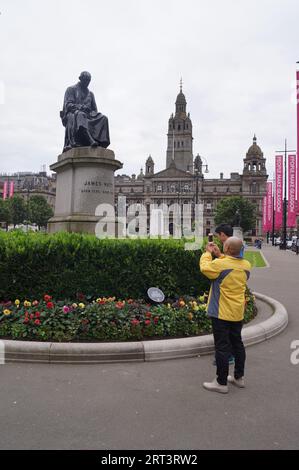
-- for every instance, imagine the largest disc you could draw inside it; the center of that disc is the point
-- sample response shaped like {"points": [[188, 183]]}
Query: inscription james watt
{"points": [[97, 187]]}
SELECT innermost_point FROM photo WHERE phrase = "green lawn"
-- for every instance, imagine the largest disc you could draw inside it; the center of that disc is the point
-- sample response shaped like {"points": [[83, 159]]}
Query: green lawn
{"points": [[255, 258]]}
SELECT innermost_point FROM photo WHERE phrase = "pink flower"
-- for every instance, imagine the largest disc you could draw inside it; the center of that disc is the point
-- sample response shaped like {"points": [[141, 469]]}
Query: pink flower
{"points": [[66, 309], [135, 322], [147, 322]]}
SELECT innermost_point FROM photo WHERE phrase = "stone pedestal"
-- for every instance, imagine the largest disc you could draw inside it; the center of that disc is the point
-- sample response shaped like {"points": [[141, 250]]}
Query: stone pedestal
{"points": [[238, 232], [85, 179]]}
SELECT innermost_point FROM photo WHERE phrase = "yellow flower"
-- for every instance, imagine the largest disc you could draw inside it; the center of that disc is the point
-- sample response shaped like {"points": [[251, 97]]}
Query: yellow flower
{"points": [[182, 303], [99, 299], [17, 302], [81, 305], [6, 312], [202, 298], [27, 304], [168, 306], [190, 316], [74, 305], [195, 308]]}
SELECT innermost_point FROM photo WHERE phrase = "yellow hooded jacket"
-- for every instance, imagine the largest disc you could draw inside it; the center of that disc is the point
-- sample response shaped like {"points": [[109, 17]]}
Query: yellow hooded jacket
{"points": [[227, 293]]}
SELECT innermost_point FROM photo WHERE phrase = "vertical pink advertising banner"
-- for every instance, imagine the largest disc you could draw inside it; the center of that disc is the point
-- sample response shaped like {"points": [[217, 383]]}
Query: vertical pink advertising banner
{"points": [[269, 206], [292, 206], [278, 191], [11, 189], [5, 187], [297, 77], [265, 214]]}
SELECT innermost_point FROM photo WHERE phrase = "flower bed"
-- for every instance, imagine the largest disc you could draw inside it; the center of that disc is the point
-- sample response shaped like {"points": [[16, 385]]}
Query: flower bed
{"points": [[107, 319]]}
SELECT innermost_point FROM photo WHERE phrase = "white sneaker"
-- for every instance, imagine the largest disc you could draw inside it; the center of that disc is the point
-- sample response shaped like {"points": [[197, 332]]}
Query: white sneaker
{"points": [[237, 382], [215, 387]]}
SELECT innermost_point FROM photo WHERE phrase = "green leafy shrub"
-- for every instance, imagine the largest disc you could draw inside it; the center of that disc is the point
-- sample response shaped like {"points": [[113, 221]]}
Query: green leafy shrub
{"points": [[65, 264]]}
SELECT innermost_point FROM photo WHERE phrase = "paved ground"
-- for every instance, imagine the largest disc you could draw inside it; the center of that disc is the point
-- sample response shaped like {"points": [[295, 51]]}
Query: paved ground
{"points": [[162, 405]]}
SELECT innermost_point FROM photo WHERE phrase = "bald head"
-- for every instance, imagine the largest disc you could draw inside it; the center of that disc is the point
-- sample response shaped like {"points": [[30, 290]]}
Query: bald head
{"points": [[232, 246]]}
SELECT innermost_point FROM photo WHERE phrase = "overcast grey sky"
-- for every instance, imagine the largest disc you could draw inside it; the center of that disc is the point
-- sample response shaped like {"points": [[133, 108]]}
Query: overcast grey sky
{"points": [[237, 59]]}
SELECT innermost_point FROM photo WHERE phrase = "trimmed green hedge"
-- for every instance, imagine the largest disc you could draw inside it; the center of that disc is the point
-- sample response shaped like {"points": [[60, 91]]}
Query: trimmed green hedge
{"points": [[65, 264]]}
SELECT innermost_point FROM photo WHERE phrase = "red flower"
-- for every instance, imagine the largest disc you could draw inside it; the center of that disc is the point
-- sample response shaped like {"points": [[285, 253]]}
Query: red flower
{"points": [[26, 314], [37, 322], [50, 305], [37, 315], [148, 314], [156, 319], [130, 301], [135, 322], [80, 296], [26, 320], [120, 305], [31, 316], [47, 298], [147, 322]]}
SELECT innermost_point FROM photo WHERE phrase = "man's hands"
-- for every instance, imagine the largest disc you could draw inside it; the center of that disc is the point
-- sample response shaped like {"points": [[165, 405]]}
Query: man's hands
{"points": [[213, 249]]}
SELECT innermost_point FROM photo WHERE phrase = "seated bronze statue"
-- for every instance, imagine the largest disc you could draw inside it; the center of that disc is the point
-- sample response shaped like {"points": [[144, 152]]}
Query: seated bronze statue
{"points": [[84, 126]]}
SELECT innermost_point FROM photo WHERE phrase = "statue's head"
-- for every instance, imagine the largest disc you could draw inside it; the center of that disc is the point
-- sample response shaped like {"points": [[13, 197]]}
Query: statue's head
{"points": [[85, 78]]}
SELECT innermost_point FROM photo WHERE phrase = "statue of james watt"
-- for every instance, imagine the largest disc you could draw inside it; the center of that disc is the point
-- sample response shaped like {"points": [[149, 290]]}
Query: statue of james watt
{"points": [[84, 126]]}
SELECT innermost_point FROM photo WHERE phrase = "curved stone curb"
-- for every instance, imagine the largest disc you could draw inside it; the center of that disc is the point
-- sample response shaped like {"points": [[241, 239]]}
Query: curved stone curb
{"points": [[140, 351]]}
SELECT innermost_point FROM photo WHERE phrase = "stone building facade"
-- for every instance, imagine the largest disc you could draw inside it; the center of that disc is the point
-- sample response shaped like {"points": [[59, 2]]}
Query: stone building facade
{"points": [[27, 184], [184, 180]]}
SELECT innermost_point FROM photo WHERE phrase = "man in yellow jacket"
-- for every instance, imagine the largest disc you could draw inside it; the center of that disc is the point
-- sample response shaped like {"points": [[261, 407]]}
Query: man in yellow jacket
{"points": [[226, 305]]}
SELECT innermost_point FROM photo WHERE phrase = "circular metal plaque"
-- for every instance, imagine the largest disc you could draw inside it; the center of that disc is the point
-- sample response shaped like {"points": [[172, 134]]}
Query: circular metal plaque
{"points": [[155, 294]]}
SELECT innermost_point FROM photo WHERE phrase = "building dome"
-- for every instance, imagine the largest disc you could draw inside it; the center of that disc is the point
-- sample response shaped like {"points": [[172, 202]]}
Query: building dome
{"points": [[141, 174], [254, 150], [149, 160], [181, 99]]}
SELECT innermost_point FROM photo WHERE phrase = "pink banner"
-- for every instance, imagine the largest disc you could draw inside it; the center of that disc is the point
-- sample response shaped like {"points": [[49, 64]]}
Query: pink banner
{"points": [[292, 206], [11, 188], [5, 188], [265, 214], [269, 207], [297, 76], [278, 191]]}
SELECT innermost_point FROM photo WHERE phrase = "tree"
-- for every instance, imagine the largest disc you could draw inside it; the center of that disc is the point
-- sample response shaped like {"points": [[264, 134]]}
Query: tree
{"points": [[18, 210], [5, 215], [226, 210], [39, 211]]}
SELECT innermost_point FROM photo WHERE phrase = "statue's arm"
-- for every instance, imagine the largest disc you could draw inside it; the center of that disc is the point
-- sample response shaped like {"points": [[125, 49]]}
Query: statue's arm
{"points": [[69, 100]]}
